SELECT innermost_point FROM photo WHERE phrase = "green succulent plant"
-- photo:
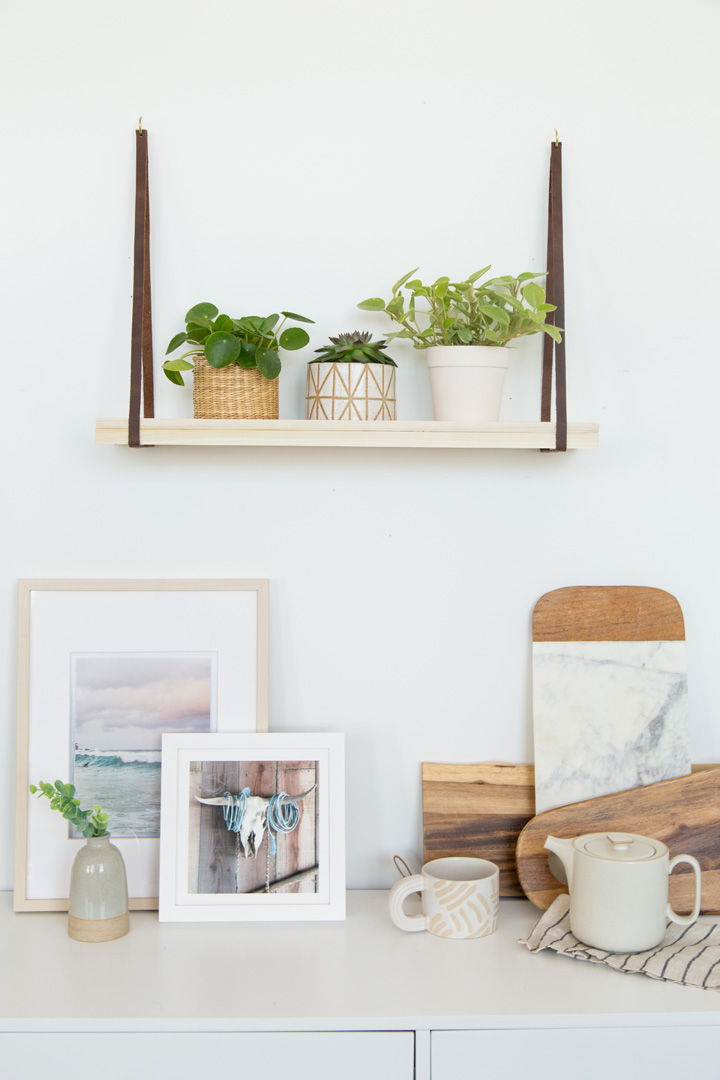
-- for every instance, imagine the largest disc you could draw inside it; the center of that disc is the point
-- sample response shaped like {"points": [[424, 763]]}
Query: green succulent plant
{"points": [[251, 342], [466, 312], [354, 348], [62, 798]]}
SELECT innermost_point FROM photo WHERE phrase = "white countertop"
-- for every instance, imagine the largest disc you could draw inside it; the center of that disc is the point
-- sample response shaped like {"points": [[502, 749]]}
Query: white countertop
{"points": [[361, 973]]}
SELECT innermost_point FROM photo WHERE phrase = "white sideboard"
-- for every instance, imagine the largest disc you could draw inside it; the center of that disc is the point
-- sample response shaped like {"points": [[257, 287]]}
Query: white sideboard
{"points": [[359, 1000]]}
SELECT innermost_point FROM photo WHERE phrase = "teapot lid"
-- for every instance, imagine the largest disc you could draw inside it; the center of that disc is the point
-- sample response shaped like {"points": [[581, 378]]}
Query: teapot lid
{"points": [[620, 847]]}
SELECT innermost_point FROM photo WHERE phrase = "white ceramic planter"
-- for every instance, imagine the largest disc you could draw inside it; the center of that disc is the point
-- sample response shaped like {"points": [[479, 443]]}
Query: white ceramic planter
{"points": [[350, 391], [467, 381]]}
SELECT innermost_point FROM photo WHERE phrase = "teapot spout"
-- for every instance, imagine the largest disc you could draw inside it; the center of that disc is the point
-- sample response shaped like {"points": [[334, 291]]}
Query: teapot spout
{"points": [[565, 853]]}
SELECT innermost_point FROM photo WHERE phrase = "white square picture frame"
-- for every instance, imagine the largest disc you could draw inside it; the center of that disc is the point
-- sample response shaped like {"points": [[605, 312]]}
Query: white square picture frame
{"points": [[222, 625], [235, 845]]}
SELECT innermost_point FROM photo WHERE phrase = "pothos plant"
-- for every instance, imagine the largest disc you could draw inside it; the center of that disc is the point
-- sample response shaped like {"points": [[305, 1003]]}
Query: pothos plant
{"points": [[62, 798], [251, 342], [466, 312]]}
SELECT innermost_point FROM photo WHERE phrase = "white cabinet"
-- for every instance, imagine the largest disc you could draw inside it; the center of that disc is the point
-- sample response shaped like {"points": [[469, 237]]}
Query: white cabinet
{"points": [[192, 1056], [357, 1000], [567, 1054]]}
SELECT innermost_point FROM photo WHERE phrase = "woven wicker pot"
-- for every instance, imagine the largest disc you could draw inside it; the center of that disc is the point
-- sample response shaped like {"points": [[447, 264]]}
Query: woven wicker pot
{"points": [[233, 393], [350, 391]]}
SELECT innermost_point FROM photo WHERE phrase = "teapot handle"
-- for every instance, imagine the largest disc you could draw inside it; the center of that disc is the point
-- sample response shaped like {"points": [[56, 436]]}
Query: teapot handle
{"points": [[686, 920]]}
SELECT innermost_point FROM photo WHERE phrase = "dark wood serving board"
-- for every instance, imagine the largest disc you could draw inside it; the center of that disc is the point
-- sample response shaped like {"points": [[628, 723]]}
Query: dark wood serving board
{"points": [[684, 813], [477, 810]]}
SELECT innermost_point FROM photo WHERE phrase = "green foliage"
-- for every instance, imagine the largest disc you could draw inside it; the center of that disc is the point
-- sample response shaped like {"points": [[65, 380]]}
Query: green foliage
{"points": [[466, 312], [354, 348], [62, 798], [251, 342]]}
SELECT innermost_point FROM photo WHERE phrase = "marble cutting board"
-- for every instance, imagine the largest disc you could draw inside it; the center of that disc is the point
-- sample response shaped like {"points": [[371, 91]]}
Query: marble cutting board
{"points": [[609, 692]]}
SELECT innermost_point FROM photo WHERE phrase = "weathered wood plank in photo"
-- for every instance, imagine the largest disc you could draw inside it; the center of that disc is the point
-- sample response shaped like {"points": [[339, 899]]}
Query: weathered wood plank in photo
{"points": [[477, 810]]}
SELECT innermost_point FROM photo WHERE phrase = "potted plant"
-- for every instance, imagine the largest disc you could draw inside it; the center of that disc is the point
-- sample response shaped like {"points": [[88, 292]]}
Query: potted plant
{"points": [[354, 379], [98, 900], [466, 327], [236, 361]]}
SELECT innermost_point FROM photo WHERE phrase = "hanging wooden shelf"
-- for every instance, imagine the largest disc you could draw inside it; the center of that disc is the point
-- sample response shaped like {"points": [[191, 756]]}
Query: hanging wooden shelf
{"points": [[431, 434]]}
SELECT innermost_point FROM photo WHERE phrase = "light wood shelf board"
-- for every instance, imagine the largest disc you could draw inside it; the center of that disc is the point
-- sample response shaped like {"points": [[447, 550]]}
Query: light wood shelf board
{"points": [[431, 434]]}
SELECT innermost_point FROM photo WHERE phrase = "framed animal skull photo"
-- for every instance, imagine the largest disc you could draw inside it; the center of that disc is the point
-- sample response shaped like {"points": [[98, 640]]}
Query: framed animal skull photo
{"points": [[252, 827]]}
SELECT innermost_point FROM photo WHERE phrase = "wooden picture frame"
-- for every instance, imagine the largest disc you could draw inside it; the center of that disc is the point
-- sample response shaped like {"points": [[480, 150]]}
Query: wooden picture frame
{"points": [[230, 852], [88, 652]]}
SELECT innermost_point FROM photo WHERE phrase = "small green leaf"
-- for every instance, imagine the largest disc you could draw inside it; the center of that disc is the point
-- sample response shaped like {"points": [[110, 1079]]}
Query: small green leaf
{"points": [[401, 281], [533, 293], [223, 322], [221, 349], [373, 304], [177, 365], [396, 306], [268, 363], [202, 313], [464, 334], [293, 338], [553, 331], [176, 341], [497, 313], [268, 323], [174, 377], [33, 789], [297, 318], [478, 274]]}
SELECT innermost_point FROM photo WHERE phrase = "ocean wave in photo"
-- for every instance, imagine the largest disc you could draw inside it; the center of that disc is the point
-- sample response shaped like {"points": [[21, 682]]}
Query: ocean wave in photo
{"points": [[126, 783]]}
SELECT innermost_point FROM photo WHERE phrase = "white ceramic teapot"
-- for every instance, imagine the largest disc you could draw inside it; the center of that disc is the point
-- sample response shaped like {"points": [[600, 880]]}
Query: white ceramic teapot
{"points": [[619, 889]]}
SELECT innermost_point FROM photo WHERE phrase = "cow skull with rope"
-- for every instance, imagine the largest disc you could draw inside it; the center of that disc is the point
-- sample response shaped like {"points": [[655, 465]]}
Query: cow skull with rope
{"points": [[250, 815]]}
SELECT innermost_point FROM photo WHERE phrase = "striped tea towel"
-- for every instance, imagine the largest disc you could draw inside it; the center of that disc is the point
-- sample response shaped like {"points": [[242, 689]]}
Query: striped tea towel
{"points": [[687, 954]]}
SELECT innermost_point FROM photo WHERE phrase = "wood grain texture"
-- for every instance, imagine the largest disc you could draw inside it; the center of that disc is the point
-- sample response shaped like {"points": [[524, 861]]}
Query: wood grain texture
{"points": [[683, 813], [477, 810], [608, 613], [438, 434]]}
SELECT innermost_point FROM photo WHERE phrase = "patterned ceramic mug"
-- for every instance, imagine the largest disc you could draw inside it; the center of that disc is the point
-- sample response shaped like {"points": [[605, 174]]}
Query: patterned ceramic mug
{"points": [[459, 898]]}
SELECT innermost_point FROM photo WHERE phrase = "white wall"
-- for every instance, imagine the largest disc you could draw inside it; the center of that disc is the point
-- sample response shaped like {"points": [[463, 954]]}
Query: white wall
{"points": [[304, 156]]}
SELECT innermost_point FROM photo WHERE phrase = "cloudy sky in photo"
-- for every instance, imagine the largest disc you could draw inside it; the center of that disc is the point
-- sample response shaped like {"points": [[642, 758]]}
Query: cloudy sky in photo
{"points": [[126, 702]]}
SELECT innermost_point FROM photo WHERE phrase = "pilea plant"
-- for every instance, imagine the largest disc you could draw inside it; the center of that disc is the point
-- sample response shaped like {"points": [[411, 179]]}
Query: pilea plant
{"points": [[251, 342], [466, 312], [62, 798], [354, 348]]}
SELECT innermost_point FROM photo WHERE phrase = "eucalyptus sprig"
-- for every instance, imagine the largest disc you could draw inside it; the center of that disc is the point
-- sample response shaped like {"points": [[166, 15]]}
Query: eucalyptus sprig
{"points": [[466, 312], [251, 342], [62, 798]]}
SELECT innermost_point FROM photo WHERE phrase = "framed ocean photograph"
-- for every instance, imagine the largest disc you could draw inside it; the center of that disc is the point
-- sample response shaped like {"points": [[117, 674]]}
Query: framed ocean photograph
{"points": [[253, 828], [105, 669]]}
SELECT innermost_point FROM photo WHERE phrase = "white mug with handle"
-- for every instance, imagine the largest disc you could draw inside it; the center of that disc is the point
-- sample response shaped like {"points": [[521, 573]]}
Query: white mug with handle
{"points": [[460, 898]]}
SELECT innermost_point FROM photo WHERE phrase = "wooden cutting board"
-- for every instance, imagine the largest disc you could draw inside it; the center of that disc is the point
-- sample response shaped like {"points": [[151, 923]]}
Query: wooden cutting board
{"points": [[477, 810], [683, 813], [609, 692]]}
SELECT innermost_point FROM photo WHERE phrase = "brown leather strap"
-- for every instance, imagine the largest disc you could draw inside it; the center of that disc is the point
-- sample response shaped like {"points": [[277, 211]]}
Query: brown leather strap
{"points": [[141, 357], [555, 289]]}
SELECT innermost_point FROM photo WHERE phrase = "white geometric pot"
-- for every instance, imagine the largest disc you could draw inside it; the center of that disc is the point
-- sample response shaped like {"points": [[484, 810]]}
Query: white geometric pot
{"points": [[342, 391], [467, 381]]}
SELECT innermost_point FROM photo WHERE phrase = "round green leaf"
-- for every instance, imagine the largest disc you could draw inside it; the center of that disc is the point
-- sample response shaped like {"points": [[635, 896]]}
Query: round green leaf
{"points": [[533, 293], [297, 318], [268, 363], [292, 338], [202, 313], [223, 322], [221, 348], [246, 359], [177, 340]]}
